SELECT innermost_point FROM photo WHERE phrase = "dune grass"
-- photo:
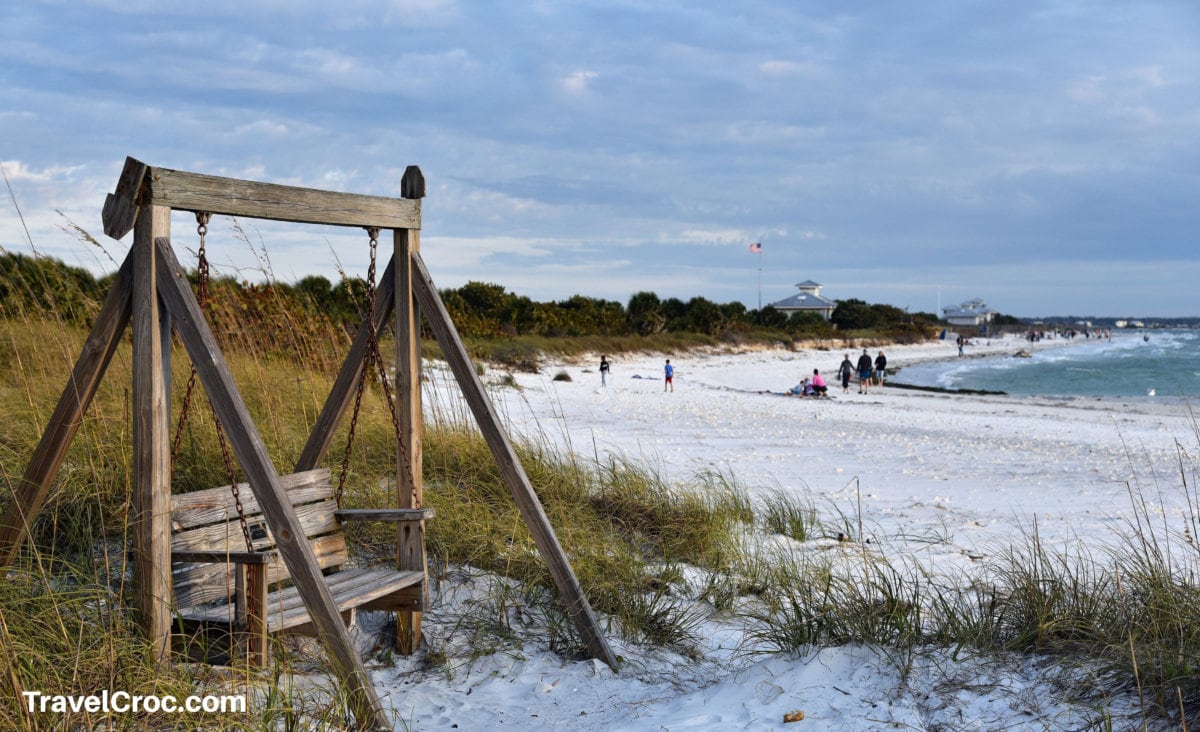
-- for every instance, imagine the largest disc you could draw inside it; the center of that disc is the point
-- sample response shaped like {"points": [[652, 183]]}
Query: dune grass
{"points": [[1119, 614]]}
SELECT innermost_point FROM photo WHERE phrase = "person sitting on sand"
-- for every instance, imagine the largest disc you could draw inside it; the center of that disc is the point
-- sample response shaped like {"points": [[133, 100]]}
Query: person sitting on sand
{"points": [[818, 384], [801, 389]]}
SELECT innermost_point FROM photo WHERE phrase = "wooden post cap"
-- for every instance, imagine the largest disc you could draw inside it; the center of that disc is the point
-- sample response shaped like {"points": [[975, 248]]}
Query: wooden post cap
{"points": [[412, 185], [121, 206]]}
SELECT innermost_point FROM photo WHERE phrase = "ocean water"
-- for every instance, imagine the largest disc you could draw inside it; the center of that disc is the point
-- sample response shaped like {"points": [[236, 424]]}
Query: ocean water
{"points": [[1155, 363]]}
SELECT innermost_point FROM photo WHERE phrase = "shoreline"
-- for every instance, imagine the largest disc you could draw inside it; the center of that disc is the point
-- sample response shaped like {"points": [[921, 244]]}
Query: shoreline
{"points": [[986, 383]]}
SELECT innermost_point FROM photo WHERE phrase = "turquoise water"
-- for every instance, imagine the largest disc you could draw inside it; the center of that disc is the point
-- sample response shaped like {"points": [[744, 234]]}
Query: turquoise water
{"points": [[1162, 363]]}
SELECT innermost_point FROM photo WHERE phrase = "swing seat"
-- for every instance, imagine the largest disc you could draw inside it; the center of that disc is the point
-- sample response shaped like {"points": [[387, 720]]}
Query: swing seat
{"points": [[220, 586]]}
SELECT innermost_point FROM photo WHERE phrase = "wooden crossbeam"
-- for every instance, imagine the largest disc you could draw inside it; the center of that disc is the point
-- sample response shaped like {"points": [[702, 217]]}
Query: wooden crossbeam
{"points": [[141, 185]]}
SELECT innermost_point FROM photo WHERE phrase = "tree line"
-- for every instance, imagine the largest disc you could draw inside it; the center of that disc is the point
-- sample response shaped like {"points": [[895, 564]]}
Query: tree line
{"points": [[479, 309]]}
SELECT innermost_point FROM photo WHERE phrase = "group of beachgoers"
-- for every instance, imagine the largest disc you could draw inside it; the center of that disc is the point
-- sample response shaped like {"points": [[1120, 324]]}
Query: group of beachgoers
{"points": [[668, 373], [869, 372]]}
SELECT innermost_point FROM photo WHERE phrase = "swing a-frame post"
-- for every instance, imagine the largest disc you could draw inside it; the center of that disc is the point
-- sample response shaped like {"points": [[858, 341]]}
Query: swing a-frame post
{"points": [[152, 292]]}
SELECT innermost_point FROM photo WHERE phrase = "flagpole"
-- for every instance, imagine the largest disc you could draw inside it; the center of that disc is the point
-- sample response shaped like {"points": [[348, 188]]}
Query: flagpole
{"points": [[756, 248], [760, 278]]}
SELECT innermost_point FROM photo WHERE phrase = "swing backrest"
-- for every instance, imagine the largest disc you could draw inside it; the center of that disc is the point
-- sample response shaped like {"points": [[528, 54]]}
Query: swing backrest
{"points": [[207, 520]]}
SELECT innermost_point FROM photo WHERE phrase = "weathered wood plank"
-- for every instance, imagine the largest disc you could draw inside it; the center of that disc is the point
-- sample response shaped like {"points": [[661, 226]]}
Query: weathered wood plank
{"points": [[30, 492], [186, 191], [351, 589], [342, 584], [230, 557], [455, 353], [342, 393], [196, 584], [213, 505], [251, 453], [351, 592], [409, 598], [120, 206], [385, 514], [254, 600], [208, 541], [151, 440], [315, 519]]}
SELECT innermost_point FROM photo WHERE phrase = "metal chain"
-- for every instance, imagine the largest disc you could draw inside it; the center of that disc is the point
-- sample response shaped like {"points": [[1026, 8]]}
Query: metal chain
{"points": [[202, 273], [373, 348], [369, 322], [373, 336], [233, 484], [373, 357], [341, 486], [202, 220]]}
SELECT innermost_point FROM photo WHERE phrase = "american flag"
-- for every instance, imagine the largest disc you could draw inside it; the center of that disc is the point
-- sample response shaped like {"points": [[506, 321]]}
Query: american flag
{"points": [[756, 248]]}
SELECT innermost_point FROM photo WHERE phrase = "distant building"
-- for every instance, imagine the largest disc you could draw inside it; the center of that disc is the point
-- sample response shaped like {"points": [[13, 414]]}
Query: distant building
{"points": [[971, 312], [808, 300]]}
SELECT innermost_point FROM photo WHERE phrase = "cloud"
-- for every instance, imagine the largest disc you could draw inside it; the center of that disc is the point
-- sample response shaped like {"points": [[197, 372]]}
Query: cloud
{"points": [[263, 127], [459, 250], [777, 67], [708, 237], [577, 81], [18, 171], [768, 133], [555, 134], [328, 62], [419, 13]]}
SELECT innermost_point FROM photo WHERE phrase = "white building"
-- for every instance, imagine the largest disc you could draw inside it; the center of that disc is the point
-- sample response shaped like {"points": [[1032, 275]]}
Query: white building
{"points": [[972, 312], [808, 300]]}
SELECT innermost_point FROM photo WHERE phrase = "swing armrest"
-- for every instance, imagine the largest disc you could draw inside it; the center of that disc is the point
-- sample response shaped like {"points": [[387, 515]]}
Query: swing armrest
{"points": [[220, 557], [398, 515]]}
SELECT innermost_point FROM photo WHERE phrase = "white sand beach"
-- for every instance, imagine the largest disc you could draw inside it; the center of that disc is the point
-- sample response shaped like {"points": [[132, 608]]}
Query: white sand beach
{"points": [[939, 479], [977, 466]]}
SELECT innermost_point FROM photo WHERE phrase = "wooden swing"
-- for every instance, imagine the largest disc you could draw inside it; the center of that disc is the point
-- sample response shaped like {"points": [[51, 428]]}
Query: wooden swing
{"points": [[233, 596], [218, 585], [150, 292]]}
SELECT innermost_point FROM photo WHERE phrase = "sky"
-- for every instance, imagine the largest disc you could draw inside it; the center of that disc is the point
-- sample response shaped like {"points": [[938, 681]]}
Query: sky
{"points": [[1040, 156]]}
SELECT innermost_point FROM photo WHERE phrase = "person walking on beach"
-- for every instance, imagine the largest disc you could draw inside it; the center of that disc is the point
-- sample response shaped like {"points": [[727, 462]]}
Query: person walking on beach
{"points": [[864, 372], [668, 376], [880, 368], [845, 371], [604, 371]]}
